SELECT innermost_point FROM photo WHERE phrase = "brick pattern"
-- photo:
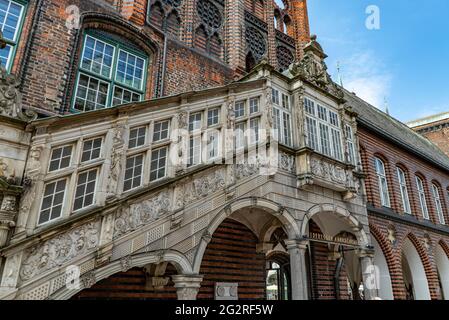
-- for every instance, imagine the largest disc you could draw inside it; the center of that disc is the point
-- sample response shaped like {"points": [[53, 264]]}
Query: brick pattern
{"points": [[392, 156], [301, 29], [322, 272], [130, 285], [231, 257]]}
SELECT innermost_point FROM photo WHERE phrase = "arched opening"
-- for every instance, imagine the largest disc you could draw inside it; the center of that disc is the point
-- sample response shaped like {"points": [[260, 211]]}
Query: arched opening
{"points": [[250, 62], [442, 263], [334, 263], [173, 24], [246, 257], [201, 38], [215, 46], [385, 289], [157, 15], [151, 282], [413, 272]]}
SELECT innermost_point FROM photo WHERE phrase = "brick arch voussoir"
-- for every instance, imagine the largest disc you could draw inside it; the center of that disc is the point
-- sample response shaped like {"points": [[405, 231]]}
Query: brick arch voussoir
{"points": [[429, 268]]}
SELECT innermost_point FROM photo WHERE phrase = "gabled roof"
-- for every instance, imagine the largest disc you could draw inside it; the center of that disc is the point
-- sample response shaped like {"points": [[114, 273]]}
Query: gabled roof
{"points": [[396, 131]]}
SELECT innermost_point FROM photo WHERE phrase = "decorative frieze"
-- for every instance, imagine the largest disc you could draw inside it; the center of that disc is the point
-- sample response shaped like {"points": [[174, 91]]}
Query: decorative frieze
{"points": [[200, 187], [287, 162], [142, 213], [61, 249], [328, 171]]}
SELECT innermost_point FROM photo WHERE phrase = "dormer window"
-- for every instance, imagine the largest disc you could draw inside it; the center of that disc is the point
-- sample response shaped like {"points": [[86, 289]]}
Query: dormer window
{"points": [[109, 74]]}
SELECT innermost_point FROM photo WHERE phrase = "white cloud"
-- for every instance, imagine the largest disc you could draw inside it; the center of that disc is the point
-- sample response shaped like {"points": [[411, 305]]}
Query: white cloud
{"points": [[368, 77]]}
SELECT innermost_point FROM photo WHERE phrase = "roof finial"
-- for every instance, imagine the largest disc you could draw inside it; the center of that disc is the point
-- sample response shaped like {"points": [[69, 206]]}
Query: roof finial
{"points": [[387, 111], [340, 77]]}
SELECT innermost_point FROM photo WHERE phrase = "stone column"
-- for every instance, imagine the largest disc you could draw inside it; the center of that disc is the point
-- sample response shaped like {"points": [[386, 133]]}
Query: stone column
{"points": [[369, 276], [297, 251], [187, 286]]}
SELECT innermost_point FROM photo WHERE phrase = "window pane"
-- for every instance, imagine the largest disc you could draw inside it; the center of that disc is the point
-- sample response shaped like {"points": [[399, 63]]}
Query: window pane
{"points": [[52, 202], [60, 158], [97, 57], [130, 70], [137, 137], [158, 164], [91, 93], [133, 172], [85, 189], [160, 131], [239, 109], [123, 96]]}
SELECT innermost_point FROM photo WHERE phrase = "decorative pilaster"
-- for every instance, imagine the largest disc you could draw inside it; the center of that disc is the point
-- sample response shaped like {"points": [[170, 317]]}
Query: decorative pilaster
{"points": [[187, 286], [297, 251], [271, 45]]}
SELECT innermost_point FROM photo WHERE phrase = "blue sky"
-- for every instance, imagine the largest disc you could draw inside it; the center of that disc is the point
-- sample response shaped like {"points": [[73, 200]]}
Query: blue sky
{"points": [[405, 61]]}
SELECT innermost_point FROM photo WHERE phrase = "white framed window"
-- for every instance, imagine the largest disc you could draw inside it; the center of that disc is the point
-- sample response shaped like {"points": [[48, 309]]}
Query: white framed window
{"points": [[161, 130], [404, 191], [311, 132], [194, 151], [239, 109], [254, 125], [123, 96], [212, 144], [336, 144], [323, 131], [91, 149], [309, 106], [133, 172], [213, 116], [275, 96], [437, 202], [85, 189], [239, 137], [52, 201], [158, 167], [195, 121], [350, 145], [422, 197], [137, 137], [60, 158], [282, 119], [382, 182], [254, 105]]}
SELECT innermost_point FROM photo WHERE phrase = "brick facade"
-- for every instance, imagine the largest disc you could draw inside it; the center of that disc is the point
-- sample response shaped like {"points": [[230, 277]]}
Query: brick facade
{"points": [[385, 222], [48, 53]]}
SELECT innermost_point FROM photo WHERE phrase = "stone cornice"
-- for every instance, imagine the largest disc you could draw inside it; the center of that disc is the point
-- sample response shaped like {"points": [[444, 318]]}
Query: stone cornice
{"points": [[407, 219]]}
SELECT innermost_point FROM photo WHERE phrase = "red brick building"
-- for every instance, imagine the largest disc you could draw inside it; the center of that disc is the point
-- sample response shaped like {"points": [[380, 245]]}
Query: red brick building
{"points": [[359, 194]]}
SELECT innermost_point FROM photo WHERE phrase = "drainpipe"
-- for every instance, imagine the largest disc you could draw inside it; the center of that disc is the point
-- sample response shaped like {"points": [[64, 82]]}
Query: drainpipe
{"points": [[29, 42]]}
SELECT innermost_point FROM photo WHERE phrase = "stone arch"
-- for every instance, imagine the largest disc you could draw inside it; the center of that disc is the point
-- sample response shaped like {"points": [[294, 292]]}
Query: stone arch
{"points": [[429, 273], [176, 258], [442, 264], [269, 206], [342, 213], [387, 253]]}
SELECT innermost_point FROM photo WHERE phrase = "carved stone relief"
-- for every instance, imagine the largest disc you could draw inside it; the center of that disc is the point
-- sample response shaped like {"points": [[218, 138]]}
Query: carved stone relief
{"points": [[147, 211], [59, 250], [328, 171]]}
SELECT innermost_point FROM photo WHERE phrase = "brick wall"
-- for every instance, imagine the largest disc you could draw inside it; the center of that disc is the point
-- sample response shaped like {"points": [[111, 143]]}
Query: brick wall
{"points": [[231, 257], [393, 156], [128, 285], [385, 222], [440, 138]]}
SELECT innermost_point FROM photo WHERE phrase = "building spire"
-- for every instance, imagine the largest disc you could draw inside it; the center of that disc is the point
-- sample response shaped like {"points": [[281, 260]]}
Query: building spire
{"points": [[340, 77]]}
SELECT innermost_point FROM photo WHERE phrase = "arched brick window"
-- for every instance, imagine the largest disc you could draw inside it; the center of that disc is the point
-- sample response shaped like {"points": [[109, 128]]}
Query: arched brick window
{"points": [[215, 45], [403, 189], [422, 196], [173, 24], [437, 198], [157, 15], [201, 38], [381, 174], [255, 43], [111, 71]]}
